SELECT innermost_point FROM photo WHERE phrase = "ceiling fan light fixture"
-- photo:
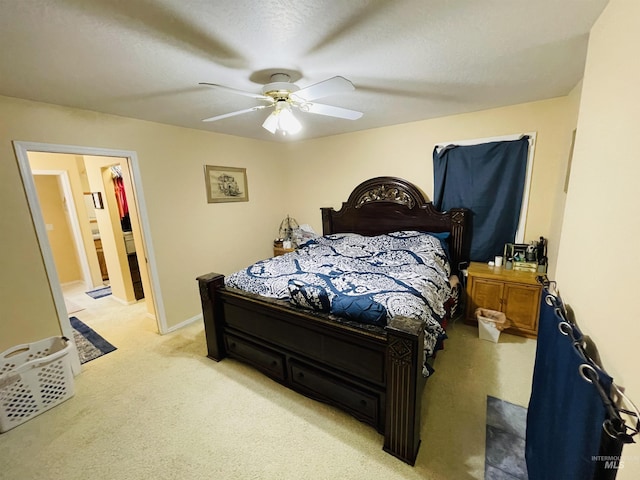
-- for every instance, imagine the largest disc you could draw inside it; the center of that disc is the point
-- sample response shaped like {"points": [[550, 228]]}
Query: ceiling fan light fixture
{"points": [[287, 122], [284, 96], [271, 122], [282, 120]]}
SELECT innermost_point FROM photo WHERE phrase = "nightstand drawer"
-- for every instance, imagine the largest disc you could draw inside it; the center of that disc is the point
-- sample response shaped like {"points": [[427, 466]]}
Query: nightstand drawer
{"points": [[281, 251]]}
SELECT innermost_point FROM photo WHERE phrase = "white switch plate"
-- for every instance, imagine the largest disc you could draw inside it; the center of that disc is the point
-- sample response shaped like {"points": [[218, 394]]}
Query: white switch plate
{"points": [[49, 226]]}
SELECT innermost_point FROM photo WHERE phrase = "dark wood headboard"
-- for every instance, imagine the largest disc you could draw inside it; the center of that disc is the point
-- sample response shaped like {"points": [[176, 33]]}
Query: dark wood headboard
{"points": [[389, 204]]}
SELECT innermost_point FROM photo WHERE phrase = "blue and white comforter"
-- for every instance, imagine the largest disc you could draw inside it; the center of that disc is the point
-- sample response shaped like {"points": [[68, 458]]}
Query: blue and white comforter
{"points": [[403, 273]]}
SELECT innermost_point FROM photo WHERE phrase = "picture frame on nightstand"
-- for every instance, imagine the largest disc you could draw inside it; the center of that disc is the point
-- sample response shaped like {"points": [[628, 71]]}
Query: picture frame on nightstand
{"points": [[513, 249]]}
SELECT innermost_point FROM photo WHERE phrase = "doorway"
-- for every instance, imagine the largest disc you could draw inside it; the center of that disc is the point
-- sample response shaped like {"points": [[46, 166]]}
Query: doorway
{"points": [[101, 159]]}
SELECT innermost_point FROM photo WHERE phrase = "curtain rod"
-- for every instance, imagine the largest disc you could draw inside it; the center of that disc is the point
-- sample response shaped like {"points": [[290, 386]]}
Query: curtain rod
{"points": [[504, 138]]}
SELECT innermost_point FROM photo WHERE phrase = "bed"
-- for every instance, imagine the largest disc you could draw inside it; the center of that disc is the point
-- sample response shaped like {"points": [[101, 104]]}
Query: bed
{"points": [[376, 373]]}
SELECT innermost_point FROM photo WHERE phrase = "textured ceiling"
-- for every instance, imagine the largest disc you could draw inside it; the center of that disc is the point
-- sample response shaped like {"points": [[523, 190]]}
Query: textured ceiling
{"points": [[408, 59]]}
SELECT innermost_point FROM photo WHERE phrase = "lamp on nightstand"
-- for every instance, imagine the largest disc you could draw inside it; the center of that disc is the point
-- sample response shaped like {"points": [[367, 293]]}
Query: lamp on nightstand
{"points": [[286, 232]]}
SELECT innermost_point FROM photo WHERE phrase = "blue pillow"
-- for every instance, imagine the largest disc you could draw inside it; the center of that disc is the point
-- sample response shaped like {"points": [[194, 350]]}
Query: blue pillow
{"points": [[306, 295], [363, 309], [444, 240]]}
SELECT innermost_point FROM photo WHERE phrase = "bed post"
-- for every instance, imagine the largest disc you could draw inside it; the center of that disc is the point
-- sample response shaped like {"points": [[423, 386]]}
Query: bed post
{"points": [[212, 314], [460, 243], [405, 344], [327, 220]]}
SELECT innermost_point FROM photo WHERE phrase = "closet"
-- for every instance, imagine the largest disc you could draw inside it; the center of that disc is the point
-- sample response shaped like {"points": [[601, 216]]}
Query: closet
{"points": [[125, 223]]}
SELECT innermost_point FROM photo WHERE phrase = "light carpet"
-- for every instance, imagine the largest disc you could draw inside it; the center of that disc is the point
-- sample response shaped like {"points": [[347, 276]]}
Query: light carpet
{"points": [[160, 409], [72, 307]]}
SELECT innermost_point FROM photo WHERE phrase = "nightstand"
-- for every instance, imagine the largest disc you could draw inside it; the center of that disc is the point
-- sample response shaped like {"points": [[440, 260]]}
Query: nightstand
{"points": [[281, 251], [515, 293]]}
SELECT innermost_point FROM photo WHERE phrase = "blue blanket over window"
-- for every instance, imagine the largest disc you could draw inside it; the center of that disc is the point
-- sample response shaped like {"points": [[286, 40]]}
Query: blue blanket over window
{"points": [[367, 279]]}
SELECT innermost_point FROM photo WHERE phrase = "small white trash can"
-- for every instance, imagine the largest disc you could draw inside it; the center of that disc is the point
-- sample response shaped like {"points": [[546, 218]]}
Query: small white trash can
{"points": [[490, 324]]}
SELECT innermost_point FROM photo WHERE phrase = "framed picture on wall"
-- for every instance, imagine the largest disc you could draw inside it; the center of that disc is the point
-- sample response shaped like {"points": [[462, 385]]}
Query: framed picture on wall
{"points": [[226, 184]]}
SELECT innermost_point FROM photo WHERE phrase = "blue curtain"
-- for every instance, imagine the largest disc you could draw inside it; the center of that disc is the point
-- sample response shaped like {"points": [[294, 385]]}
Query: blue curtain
{"points": [[488, 179], [564, 439]]}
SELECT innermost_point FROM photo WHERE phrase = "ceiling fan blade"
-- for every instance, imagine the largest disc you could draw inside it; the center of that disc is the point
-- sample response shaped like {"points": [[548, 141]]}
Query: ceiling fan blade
{"points": [[332, 86], [233, 114], [259, 96], [331, 111]]}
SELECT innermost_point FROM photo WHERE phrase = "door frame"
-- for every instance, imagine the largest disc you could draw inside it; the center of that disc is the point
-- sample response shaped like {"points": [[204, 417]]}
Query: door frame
{"points": [[21, 150], [63, 176]]}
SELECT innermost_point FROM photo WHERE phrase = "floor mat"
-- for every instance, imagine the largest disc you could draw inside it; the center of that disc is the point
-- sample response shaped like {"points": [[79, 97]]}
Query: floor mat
{"points": [[90, 344], [506, 430], [99, 292]]}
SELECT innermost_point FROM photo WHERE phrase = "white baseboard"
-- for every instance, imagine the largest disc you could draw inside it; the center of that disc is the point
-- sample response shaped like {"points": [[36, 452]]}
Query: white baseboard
{"points": [[123, 302], [188, 321]]}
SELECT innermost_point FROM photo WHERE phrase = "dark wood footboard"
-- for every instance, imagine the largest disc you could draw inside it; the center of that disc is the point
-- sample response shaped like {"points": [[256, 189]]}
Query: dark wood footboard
{"points": [[375, 375], [405, 385]]}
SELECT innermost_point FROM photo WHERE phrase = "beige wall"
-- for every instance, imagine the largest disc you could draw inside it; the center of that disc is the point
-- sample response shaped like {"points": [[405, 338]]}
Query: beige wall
{"points": [[557, 213], [599, 258], [323, 172], [73, 166], [190, 236], [52, 202], [28, 312]]}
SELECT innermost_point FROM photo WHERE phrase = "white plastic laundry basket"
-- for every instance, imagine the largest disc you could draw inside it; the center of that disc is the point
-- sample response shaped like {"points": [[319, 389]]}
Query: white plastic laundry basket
{"points": [[34, 377]]}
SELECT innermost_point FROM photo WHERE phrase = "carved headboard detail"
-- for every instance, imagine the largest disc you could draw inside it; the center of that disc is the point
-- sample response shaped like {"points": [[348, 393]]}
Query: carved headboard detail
{"points": [[388, 204], [384, 193], [386, 189]]}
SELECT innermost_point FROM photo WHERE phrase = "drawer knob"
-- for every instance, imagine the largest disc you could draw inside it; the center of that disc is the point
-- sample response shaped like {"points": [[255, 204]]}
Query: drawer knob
{"points": [[363, 403], [274, 363], [232, 345], [300, 375]]}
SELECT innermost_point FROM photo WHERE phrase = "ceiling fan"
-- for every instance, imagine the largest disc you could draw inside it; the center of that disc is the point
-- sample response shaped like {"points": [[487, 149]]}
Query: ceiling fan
{"points": [[284, 96]]}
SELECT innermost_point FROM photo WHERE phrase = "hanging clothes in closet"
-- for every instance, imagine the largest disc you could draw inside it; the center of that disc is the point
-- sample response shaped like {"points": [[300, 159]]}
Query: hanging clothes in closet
{"points": [[574, 431], [121, 198]]}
